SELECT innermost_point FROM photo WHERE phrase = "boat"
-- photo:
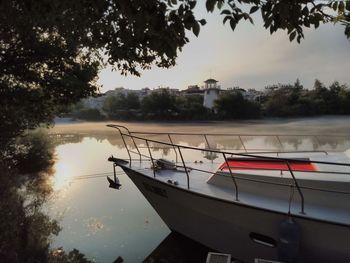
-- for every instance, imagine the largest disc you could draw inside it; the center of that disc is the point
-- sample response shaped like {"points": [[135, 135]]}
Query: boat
{"points": [[275, 204]]}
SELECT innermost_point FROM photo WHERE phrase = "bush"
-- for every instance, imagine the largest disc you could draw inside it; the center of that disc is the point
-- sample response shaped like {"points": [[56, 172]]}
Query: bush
{"points": [[89, 114]]}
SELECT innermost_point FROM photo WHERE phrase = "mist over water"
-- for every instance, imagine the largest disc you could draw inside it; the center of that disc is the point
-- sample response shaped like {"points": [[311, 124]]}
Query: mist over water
{"points": [[104, 223]]}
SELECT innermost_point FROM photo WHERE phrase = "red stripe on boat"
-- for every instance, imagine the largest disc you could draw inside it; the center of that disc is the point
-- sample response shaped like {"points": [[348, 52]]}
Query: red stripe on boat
{"points": [[268, 165]]}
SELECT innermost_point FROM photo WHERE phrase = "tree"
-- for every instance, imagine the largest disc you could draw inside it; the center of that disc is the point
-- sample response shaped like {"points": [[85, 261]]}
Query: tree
{"points": [[89, 114], [114, 103], [294, 100], [191, 107], [122, 106], [292, 16], [132, 101], [159, 105], [25, 185], [51, 51], [232, 105]]}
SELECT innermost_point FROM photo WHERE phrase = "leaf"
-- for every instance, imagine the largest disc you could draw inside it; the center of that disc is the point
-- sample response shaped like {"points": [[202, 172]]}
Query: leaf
{"points": [[298, 39], [220, 4], [226, 18], [225, 12], [306, 23], [210, 4], [268, 22], [195, 28], [292, 36], [245, 16], [181, 10], [233, 24], [317, 23], [305, 11], [202, 22], [192, 4], [253, 9], [251, 20]]}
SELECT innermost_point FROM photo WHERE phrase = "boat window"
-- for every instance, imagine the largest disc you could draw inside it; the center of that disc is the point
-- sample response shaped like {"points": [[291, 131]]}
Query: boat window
{"points": [[262, 239]]}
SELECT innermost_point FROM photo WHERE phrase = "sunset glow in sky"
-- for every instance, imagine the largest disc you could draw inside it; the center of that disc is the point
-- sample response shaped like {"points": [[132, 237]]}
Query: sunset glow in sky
{"points": [[249, 57]]}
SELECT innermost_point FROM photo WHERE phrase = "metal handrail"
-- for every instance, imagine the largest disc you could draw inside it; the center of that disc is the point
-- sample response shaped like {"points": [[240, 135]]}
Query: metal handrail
{"points": [[233, 178], [132, 138], [251, 151], [298, 188], [178, 147], [235, 134], [240, 154], [239, 137], [183, 162], [171, 141]]}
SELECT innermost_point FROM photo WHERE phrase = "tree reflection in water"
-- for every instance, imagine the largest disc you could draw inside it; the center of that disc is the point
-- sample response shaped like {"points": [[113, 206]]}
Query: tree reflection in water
{"points": [[26, 231]]}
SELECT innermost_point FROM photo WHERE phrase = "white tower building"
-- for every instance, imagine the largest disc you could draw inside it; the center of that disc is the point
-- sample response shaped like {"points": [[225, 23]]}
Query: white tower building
{"points": [[211, 93]]}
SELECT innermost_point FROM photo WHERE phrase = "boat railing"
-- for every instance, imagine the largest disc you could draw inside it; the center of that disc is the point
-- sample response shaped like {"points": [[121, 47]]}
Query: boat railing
{"points": [[178, 149]]}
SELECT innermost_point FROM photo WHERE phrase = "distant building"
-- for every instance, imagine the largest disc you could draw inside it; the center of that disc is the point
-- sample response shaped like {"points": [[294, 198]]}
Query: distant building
{"points": [[250, 94], [211, 93], [254, 95], [192, 90], [97, 102], [171, 91], [94, 102]]}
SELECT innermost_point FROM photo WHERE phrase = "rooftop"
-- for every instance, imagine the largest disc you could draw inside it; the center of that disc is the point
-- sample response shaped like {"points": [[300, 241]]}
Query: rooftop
{"points": [[210, 81]]}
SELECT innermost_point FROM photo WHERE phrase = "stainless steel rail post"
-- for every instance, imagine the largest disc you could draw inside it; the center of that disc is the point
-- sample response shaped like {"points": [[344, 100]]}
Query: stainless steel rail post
{"points": [[297, 186], [132, 138], [206, 139], [150, 155], [125, 145], [233, 178], [239, 137], [183, 162], [278, 139], [171, 141]]}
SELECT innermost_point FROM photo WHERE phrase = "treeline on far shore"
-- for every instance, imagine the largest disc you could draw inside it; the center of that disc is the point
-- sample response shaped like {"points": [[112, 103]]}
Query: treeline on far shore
{"points": [[291, 100]]}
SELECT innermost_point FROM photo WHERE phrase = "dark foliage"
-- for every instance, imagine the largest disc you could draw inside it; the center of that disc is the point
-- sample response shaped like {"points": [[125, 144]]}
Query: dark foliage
{"points": [[159, 105], [25, 186], [50, 51], [232, 105], [191, 108], [88, 114], [294, 100]]}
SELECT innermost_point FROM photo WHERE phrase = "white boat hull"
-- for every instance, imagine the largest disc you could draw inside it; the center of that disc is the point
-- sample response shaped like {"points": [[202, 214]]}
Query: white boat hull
{"points": [[226, 226]]}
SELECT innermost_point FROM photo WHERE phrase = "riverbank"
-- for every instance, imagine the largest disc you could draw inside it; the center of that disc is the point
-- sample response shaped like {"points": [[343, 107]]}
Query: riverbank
{"points": [[322, 125]]}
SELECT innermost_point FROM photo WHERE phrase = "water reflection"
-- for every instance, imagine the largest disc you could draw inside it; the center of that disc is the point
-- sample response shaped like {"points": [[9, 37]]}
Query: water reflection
{"points": [[256, 143], [104, 222], [107, 223], [25, 187]]}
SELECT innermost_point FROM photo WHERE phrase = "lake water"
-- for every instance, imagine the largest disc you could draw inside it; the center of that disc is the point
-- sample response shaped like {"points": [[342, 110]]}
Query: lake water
{"points": [[104, 223]]}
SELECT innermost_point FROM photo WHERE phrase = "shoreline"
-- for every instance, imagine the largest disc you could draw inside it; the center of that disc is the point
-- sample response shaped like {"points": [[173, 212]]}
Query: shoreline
{"points": [[320, 125], [68, 120]]}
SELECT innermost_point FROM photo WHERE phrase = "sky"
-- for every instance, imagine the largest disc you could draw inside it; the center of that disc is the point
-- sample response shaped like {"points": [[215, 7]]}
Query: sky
{"points": [[248, 58]]}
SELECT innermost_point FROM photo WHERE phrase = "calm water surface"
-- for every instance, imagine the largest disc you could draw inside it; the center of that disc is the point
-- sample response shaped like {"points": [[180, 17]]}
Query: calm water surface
{"points": [[104, 223]]}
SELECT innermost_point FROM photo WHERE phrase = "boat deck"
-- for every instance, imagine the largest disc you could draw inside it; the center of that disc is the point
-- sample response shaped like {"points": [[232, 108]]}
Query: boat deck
{"points": [[317, 188], [257, 194]]}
